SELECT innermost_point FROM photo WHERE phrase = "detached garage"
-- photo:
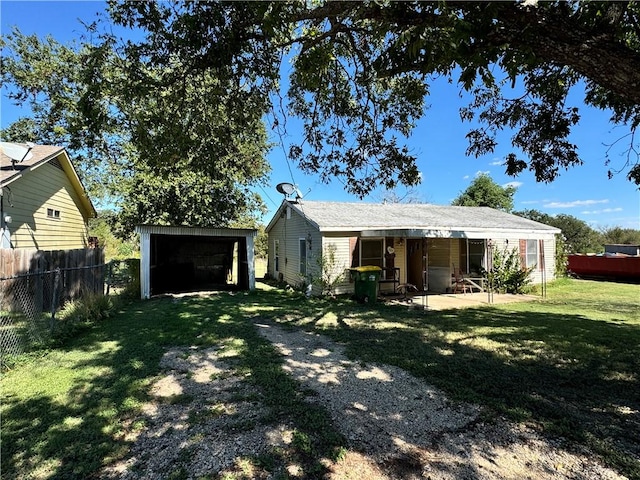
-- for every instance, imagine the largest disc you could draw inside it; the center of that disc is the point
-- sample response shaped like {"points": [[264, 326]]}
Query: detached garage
{"points": [[185, 259]]}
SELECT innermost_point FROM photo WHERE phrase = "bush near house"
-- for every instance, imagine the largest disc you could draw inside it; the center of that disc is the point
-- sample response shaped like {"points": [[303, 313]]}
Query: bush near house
{"points": [[507, 274]]}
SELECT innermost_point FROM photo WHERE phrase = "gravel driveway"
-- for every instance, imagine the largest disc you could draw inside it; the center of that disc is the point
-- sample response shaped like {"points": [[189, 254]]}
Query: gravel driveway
{"points": [[203, 418]]}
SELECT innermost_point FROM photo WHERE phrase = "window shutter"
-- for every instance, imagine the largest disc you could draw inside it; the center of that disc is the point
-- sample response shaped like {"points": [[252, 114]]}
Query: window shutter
{"points": [[523, 253], [541, 259], [355, 254]]}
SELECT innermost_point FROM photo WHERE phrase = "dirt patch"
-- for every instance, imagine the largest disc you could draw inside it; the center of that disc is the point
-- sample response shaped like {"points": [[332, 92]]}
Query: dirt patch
{"points": [[399, 426], [204, 421]]}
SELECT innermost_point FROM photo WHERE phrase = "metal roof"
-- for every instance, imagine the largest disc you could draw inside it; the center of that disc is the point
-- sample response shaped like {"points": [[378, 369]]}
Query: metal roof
{"points": [[195, 231], [344, 216]]}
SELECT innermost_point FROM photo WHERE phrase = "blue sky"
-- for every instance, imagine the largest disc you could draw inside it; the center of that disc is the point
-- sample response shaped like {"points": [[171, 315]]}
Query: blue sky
{"points": [[438, 141]]}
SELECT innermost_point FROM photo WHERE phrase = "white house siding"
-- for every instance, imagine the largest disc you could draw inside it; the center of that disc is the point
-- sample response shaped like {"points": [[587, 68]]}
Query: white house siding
{"points": [[549, 242], [446, 246], [342, 260], [289, 229]]}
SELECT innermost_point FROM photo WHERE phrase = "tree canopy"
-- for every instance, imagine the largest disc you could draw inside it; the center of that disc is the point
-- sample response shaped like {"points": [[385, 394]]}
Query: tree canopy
{"points": [[485, 192], [190, 90], [163, 145], [578, 236], [361, 71]]}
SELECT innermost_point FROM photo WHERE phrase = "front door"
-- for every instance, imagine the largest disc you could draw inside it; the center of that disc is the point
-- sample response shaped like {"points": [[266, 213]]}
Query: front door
{"points": [[417, 263]]}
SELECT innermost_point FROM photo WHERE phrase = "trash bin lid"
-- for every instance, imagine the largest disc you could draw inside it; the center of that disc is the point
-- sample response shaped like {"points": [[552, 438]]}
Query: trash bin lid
{"points": [[367, 268]]}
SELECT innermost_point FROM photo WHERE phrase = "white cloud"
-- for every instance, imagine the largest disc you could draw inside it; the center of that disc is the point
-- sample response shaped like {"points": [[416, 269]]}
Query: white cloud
{"points": [[512, 184], [466, 177], [480, 172], [575, 203], [496, 162], [530, 202], [604, 210]]}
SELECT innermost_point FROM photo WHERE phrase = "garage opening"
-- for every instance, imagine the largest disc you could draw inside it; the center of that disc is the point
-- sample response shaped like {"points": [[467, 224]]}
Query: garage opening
{"points": [[180, 259]]}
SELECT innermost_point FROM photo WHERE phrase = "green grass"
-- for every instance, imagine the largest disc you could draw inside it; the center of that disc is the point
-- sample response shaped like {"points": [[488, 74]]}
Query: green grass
{"points": [[568, 365], [63, 409]]}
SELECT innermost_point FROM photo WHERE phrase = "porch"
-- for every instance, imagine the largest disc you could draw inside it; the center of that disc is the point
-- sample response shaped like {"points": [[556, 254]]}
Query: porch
{"points": [[451, 301], [436, 265]]}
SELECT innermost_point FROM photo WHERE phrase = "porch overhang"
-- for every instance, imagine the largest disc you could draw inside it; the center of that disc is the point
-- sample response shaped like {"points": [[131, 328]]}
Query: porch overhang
{"points": [[496, 234]]}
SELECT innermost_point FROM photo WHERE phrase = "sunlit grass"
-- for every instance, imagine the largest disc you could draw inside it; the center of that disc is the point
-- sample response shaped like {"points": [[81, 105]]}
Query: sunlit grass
{"points": [[568, 364]]}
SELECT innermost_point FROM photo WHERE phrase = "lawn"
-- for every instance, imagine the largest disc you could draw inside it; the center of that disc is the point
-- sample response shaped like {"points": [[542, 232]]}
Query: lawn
{"points": [[568, 365]]}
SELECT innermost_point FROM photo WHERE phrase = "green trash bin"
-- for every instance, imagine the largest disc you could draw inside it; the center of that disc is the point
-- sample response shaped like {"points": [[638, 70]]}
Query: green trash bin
{"points": [[366, 283]]}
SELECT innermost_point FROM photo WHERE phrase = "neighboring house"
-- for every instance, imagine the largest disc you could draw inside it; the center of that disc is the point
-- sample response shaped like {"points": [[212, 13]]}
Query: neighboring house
{"points": [[419, 244], [44, 205]]}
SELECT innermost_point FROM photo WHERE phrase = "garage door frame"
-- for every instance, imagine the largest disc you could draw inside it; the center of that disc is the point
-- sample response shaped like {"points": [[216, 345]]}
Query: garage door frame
{"points": [[146, 231]]}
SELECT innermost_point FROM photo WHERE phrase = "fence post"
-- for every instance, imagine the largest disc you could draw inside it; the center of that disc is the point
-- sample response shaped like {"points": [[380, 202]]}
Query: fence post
{"points": [[55, 297], [38, 284], [109, 274]]}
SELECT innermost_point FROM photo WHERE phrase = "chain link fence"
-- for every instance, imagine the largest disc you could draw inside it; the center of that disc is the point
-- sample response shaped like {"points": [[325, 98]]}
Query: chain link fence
{"points": [[29, 303]]}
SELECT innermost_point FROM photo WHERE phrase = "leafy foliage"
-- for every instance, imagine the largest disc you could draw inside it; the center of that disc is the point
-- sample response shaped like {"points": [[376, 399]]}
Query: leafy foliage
{"points": [[330, 272], [507, 274], [619, 235], [114, 247], [189, 91], [484, 192], [578, 236], [160, 143], [360, 73]]}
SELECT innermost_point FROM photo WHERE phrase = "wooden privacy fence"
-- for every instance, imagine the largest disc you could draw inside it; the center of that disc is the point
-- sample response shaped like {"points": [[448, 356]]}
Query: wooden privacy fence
{"points": [[79, 267], [35, 284]]}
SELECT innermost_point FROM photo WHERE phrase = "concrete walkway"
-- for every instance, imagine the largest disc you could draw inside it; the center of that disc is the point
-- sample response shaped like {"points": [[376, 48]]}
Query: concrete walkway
{"points": [[446, 301]]}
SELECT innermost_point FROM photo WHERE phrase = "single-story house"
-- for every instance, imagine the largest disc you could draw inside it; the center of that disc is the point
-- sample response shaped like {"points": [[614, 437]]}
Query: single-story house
{"points": [[422, 245], [182, 259], [43, 204]]}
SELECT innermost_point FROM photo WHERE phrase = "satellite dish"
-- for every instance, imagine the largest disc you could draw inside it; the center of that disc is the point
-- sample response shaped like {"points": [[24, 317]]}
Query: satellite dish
{"points": [[17, 152], [286, 188]]}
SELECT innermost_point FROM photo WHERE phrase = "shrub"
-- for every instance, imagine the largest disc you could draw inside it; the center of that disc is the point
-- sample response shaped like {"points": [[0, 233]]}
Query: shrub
{"points": [[331, 274], [562, 257], [507, 274], [81, 313]]}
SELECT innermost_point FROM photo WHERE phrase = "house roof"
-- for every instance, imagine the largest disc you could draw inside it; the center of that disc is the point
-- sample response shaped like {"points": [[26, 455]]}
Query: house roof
{"points": [[418, 218], [40, 154]]}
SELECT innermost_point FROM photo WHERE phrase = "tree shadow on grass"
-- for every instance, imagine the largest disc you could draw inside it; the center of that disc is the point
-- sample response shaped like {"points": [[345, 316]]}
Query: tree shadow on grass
{"points": [[77, 434], [568, 375]]}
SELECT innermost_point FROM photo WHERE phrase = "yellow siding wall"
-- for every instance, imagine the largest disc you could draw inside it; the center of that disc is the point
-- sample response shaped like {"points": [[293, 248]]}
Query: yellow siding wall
{"points": [[27, 200]]}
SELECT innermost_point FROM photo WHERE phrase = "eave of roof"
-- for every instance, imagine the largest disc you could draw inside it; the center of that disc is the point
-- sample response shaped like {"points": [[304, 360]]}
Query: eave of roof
{"points": [[354, 217], [41, 154]]}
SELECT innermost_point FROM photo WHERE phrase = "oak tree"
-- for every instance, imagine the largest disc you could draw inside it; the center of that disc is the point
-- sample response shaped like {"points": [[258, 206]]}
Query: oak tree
{"points": [[359, 73], [154, 142]]}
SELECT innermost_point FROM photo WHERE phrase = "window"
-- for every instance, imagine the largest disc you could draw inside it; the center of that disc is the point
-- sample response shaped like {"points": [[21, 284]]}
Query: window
{"points": [[276, 254], [532, 253], [476, 255], [371, 252], [51, 213], [303, 256]]}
